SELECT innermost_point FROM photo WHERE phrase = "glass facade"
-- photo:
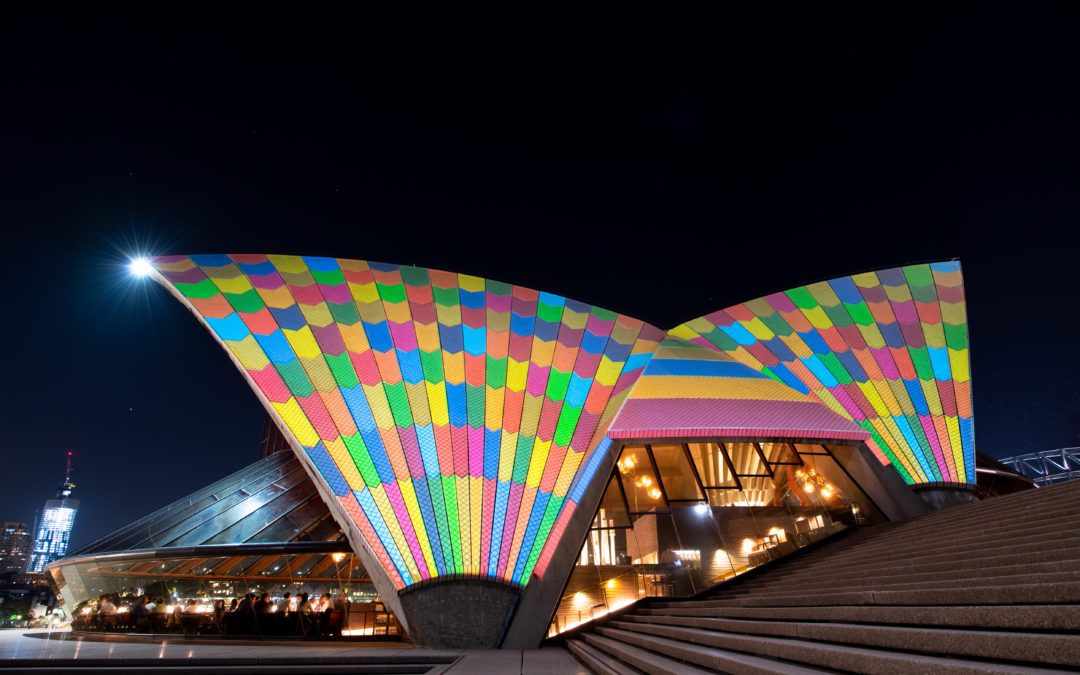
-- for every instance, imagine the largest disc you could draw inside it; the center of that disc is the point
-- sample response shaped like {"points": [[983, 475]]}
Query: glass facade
{"points": [[677, 518], [15, 544], [53, 532], [213, 582], [263, 529]]}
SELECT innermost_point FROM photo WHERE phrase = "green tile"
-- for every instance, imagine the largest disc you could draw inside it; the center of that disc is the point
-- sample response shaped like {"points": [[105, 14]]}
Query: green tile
{"points": [[332, 278], [342, 370], [292, 373], [391, 293], [802, 298], [201, 290], [399, 403], [557, 385], [432, 365]]}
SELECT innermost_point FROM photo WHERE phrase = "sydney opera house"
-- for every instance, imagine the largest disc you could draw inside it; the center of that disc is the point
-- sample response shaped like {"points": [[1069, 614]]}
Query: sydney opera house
{"points": [[473, 463]]}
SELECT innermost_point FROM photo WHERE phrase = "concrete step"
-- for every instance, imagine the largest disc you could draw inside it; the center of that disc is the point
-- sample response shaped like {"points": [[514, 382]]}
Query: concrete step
{"points": [[642, 659], [1018, 617], [812, 654], [892, 548], [1036, 648], [1059, 560], [885, 547], [812, 575], [1060, 593], [991, 577], [1035, 501], [1027, 498], [983, 518], [597, 661], [714, 659]]}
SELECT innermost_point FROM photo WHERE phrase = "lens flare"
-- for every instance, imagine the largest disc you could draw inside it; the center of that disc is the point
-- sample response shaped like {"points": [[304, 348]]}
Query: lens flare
{"points": [[141, 267]]}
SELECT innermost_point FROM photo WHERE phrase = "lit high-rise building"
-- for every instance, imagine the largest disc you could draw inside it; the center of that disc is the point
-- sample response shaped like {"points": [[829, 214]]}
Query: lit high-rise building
{"points": [[54, 528], [14, 547]]}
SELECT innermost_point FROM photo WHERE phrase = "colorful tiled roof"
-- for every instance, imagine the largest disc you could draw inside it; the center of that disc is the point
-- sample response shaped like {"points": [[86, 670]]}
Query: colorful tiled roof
{"points": [[454, 418], [886, 349], [688, 391]]}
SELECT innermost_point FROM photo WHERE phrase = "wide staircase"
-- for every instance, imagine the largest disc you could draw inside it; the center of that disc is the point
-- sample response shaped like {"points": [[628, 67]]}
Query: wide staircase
{"points": [[987, 587]]}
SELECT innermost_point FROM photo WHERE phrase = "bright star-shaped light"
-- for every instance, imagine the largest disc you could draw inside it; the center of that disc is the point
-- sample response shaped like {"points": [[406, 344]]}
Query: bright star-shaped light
{"points": [[141, 267]]}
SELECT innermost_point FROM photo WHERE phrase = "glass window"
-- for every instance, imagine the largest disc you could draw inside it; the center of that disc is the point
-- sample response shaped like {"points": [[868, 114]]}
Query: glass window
{"points": [[780, 453], [747, 459], [763, 502], [643, 491], [612, 511], [676, 474], [712, 466]]}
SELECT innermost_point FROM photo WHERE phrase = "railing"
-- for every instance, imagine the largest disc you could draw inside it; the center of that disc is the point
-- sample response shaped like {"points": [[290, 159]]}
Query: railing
{"points": [[1047, 467]]}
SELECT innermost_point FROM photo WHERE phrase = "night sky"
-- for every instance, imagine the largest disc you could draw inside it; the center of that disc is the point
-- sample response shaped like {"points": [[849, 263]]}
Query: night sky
{"points": [[660, 166]]}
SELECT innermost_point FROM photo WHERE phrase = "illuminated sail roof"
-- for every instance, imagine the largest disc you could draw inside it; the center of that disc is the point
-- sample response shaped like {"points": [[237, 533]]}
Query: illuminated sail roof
{"points": [[453, 418], [688, 390], [886, 349]]}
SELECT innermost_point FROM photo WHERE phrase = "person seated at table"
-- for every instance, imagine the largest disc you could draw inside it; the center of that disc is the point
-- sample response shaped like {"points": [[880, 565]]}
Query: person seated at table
{"points": [[304, 614], [190, 618], [175, 612], [263, 607], [326, 607], [108, 606], [219, 616], [228, 625], [159, 615], [285, 606], [282, 615], [140, 617], [245, 621]]}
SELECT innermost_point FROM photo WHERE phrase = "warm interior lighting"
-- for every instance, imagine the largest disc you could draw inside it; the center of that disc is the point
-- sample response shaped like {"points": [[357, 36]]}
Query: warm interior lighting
{"points": [[779, 532], [338, 557], [655, 494], [611, 584], [643, 482], [748, 546]]}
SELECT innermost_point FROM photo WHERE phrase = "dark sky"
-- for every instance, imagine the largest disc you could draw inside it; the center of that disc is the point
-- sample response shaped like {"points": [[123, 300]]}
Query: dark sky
{"points": [[660, 165]]}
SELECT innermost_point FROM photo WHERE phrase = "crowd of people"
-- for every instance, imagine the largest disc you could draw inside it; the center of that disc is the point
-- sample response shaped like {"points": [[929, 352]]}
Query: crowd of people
{"points": [[299, 615]]}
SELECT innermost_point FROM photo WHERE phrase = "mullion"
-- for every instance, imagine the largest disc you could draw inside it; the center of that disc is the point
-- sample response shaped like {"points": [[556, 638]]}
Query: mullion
{"points": [[693, 469], [730, 466]]}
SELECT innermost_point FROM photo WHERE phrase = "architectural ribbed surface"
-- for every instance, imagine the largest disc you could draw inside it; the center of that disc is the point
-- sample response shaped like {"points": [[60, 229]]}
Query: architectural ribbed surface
{"points": [[452, 417], [690, 391], [270, 501], [887, 350]]}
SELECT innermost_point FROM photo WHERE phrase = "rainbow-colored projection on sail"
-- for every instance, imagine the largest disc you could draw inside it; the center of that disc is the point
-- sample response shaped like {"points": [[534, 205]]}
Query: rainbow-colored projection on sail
{"points": [[450, 415], [886, 349]]}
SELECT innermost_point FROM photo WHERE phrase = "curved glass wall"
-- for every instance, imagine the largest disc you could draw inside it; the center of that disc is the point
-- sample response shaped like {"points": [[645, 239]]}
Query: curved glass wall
{"points": [[102, 593], [263, 529], [677, 518]]}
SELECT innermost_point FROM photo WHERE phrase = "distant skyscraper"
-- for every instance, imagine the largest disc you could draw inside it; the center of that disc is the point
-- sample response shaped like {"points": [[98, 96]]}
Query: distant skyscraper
{"points": [[15, 542], [54, 529]]}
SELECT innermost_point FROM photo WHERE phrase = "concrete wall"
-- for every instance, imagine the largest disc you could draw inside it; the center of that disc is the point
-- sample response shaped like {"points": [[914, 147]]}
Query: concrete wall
{"points": [[459, 611]]}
